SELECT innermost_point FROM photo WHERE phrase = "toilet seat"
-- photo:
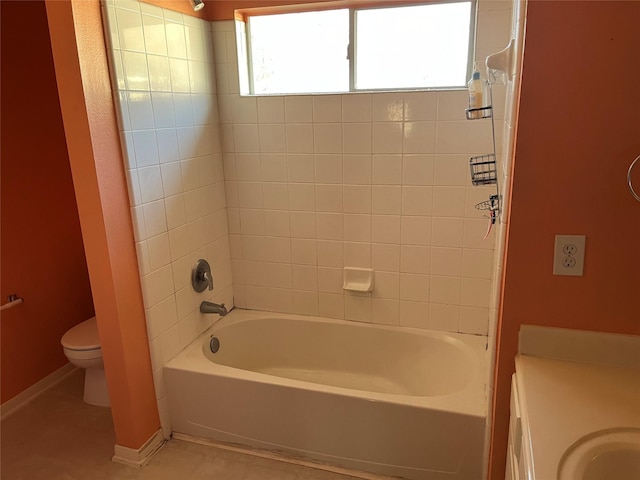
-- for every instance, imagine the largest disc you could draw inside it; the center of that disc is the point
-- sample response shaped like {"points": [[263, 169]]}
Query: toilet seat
{"points": [[82, 337], [92, 354]]}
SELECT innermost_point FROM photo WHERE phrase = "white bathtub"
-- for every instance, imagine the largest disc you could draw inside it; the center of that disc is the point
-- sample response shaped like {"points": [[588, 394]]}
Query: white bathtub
{"points": [[387, 400]]}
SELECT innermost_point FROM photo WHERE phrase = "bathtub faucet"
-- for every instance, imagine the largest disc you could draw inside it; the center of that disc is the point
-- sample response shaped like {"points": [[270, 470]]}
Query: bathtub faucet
{"points": [[208, 307]]}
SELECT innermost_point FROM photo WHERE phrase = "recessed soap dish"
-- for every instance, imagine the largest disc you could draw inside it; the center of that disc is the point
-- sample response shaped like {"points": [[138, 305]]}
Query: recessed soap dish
{"points": [[358, 279]]}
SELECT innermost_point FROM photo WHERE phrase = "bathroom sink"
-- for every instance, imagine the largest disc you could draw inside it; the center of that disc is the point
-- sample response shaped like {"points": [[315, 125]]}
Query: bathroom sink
{"points": [[603, 455]]}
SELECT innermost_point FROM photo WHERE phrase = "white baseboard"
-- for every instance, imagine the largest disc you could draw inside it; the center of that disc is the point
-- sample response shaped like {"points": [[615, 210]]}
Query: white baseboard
{"points": [[139, 457], [14, 404]]}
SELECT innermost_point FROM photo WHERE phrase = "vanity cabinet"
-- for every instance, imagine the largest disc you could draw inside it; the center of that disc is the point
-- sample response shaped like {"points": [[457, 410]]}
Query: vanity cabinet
{"points": [[517, 466]]}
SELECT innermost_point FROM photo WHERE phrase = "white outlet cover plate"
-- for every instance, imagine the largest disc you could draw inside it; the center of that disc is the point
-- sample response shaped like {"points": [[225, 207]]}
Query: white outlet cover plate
{"points": [[562, 241]]}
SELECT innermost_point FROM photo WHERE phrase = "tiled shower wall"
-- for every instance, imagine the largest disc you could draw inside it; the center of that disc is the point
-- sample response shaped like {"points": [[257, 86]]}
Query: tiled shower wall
{"points": [[313, 183], [375, 180], [163, 75]]}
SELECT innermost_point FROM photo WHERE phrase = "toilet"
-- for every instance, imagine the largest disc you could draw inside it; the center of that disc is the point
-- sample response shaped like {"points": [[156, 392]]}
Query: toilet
{"points": [[81, 345]]}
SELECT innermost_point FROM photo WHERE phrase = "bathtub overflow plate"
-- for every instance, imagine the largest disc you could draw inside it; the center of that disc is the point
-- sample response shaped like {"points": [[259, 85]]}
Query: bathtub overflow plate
{"points": [[214, 344]]}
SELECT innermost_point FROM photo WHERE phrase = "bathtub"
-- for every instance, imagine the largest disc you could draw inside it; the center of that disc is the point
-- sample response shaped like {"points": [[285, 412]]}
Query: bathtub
{"points": [[387, 400]]}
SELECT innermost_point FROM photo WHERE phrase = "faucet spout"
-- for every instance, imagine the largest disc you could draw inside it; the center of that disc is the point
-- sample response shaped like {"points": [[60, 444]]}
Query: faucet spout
{"points": [[209, 307]]}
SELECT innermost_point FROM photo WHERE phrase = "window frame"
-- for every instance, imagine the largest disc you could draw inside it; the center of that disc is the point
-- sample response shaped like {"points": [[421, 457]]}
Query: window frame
{"points": [[245, 51]]}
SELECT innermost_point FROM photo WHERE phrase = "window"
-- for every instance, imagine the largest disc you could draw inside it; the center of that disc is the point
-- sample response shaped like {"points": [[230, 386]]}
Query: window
{"points": [[354, 49]]}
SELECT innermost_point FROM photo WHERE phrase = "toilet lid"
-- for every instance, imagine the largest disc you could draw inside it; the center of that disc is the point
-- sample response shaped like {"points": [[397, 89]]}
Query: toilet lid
{"points": [[83, 336]]}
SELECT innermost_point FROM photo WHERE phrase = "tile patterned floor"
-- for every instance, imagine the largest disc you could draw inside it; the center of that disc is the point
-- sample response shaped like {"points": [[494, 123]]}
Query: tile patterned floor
{"points": [[59, 437]]}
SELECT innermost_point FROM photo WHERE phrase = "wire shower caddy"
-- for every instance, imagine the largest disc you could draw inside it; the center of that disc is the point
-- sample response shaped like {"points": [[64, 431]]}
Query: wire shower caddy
{"points": [[483, 168]]}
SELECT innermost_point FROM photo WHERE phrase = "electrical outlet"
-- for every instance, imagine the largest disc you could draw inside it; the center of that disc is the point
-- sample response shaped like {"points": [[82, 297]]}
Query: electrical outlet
{"points": [[568, 255]]}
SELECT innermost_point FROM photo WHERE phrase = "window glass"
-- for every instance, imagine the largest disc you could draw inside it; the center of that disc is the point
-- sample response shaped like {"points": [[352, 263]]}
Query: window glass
{"points": [[422, 46], [300, 52], [395, 47]]}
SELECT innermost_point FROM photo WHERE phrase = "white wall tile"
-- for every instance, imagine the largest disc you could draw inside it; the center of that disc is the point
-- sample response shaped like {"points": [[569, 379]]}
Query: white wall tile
{"points": [[176, 43], [445, 290], [305, 303], [179, 73], [446, 261], [387, 170], [357, 169], [275, 196], [417, 200], [275, 223], [330, 226], [301, 168], [443, 317], [299, 138], [474, 320], [329, 198], [414, 259], [270, 109], [330, 253], [357, 307], [414, 287], [386, 285], [150, 182], [386, 229], [417, 169], [356, 199], [356, 108], [140, 110], [272, 138], [331, 305], [475, 292], [305, 277], [357, 228], [328, 168], [419, 137], [278, 249], [414, 314], [385, 257], [298, 109], [447, 232], [388, 107], [385, 311], [452, 137], [303, 225], [386, 200], [163, 112], [155, 38], [330, 280], [357, 137], [387, 137], [273, 167], [130, 32], [477, 263], [415, 230], [327, 108], [159, 73], [302, 197], [420, 106], [327, 138], [452, 170], [357, 255], [303, 251]]}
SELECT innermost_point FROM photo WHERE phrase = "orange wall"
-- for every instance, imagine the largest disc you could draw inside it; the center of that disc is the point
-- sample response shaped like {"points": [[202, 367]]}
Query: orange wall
{"points": [[98, 174], [224, 9], [578, 131], [43, 257]]}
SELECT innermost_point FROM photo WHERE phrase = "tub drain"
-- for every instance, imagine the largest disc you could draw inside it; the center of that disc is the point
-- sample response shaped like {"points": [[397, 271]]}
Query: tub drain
{"points": [[214, 344]]}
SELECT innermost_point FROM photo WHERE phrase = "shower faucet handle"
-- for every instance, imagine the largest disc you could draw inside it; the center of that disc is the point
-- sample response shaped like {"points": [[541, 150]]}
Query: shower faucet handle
{"points": [[201, 277]]}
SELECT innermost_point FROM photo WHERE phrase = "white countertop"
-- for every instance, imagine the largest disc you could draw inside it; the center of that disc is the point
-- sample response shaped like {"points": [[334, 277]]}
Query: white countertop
{"points": [[566, 400]]}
